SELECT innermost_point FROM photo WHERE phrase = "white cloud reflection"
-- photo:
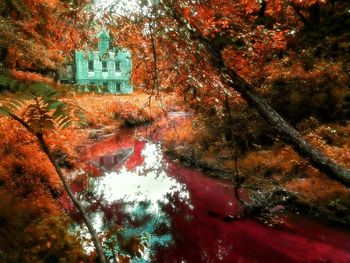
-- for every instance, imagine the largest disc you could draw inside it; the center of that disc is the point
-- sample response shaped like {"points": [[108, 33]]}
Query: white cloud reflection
{"points": [[148, 182]]}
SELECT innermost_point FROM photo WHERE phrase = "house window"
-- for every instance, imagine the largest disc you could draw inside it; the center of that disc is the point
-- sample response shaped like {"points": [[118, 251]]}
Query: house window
{"points": [[118, 87], [91, 66], [117, 66], [104, 66]]}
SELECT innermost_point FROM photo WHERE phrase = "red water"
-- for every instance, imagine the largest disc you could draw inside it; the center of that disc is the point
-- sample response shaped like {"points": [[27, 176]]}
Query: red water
{"points": [[211, 235], [205, 231]]}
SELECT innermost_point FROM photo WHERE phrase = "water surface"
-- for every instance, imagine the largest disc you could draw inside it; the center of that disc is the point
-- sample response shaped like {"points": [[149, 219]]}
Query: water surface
{"points": [[181, 215]]}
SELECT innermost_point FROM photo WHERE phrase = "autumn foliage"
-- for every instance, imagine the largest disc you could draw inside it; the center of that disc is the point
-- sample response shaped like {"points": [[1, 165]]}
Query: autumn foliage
{"points": [[29, 190], [39, 35], [295, 54]]}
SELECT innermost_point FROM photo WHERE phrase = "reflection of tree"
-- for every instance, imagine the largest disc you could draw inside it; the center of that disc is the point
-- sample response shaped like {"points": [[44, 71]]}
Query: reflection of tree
{"points": [[126, 206], [133, 228], [183, 232], [130, 229]]}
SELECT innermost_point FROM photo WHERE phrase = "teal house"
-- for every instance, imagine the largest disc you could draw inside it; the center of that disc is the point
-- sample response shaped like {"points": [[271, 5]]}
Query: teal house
{"points": [[107, 67]]}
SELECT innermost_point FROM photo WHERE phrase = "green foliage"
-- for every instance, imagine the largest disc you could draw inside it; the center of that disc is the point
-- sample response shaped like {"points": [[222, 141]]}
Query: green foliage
{"points": [[40, 107], [7, 83], [118, 243]]}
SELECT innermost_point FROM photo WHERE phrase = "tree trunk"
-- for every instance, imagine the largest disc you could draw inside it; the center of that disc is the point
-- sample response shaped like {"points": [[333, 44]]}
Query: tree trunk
{"points": [[315, 16], [46, 150], [288, 133], [94, 236], [262, 9]]}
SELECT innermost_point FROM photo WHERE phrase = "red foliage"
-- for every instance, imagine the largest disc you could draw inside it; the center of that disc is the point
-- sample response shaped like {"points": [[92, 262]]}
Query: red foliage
{"points": [[39, 34]]}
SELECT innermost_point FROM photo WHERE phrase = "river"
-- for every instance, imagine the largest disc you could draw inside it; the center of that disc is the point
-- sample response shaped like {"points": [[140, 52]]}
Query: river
{"points": [[182, 215]]}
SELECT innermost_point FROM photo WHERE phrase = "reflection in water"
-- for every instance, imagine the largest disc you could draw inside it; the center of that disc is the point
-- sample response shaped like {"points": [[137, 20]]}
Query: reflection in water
{"points": [[148, 182], [141, 191], [183, 216], [107, 163]]}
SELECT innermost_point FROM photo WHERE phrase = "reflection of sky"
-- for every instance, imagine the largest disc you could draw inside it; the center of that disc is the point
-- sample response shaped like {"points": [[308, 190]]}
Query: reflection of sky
{"points": [[146, 184]]}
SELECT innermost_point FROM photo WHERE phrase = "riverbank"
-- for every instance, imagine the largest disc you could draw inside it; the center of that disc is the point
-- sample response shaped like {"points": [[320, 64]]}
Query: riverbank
{"points": [[264, 171]]}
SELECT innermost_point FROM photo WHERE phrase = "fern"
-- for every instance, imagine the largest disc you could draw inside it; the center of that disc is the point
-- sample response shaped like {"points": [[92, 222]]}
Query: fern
{"points": [[41, 107], [38, 108]]}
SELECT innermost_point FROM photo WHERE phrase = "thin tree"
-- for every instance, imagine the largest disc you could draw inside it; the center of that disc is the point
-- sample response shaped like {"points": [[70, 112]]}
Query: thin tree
{"points": [[42, 111]]}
